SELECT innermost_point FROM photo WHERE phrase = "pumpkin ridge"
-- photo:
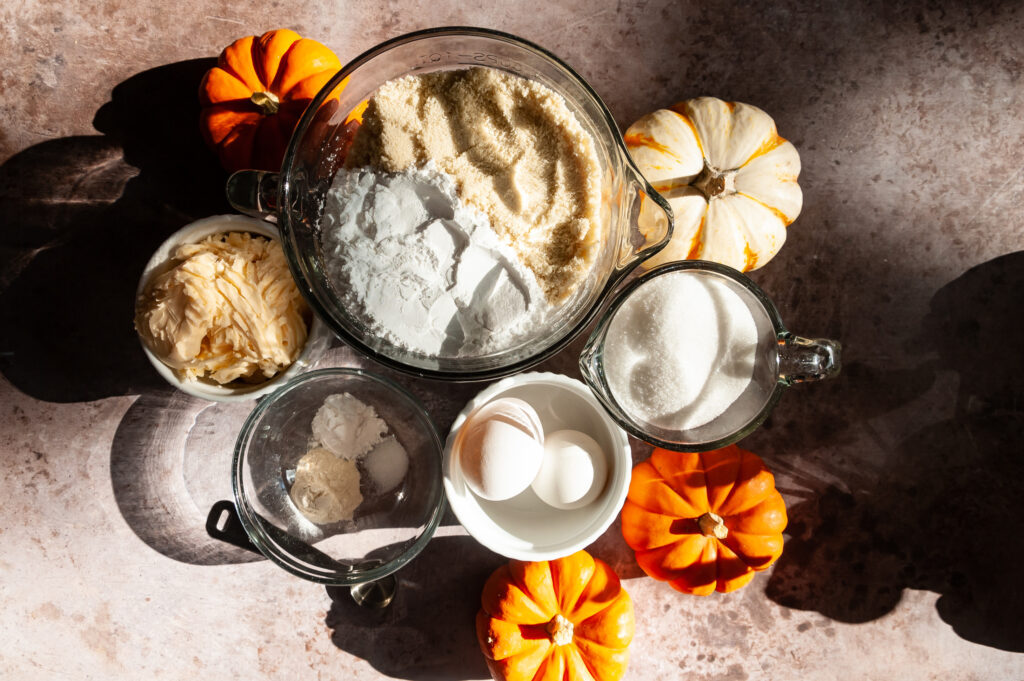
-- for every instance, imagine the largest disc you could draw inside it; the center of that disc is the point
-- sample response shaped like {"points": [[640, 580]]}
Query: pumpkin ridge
{"points": [[272, 56], [585, 659], [256, 54], [303, 89], [701, 576], [706, 462], [759, 519], [605, 664], [640, 140], [598, 594], [307, 57], [744, 543], [232, 55], [693, 128], [672, 535], [770, 143], [778, 213], [215, 82], [518, 578], [725, 578], [758, 490], [662, 483], [552, 657], [228, 69], [662, 562], [276, 85], [581, 564], [666, 475], [741, 486], [503, 597], [573, 662], [611, 618], [697, 244]]}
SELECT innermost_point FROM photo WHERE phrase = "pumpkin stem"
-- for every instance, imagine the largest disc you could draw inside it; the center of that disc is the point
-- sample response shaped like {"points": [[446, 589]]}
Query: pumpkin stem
{"points": [[559, 630], [712, 183], [712, 525], [267, 102]]}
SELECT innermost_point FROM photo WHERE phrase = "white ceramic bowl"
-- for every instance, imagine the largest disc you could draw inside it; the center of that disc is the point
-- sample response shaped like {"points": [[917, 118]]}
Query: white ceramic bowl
{"points": [[524, 527], [317, 340]]}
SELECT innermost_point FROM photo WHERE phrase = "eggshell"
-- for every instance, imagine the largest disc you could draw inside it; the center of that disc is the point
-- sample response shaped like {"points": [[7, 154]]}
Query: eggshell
{"points": [[573, 472], [500, 448]]}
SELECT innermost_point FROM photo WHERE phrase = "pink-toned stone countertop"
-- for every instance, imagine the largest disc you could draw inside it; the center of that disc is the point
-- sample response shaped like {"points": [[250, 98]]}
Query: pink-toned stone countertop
{"points": [[902, 477]]}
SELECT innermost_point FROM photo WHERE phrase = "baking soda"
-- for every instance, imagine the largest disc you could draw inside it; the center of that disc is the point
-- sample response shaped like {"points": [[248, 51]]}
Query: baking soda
{"points": [[680, 350]]}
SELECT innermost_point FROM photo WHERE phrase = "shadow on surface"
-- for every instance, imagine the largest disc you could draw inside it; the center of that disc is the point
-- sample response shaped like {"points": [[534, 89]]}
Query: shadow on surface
{"points": [[170, 461], [428, 632], [944, 512], [82, 217]]}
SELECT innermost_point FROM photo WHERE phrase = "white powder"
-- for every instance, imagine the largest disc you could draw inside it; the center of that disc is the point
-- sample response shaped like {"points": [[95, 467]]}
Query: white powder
{"points": [[347, 427], [680, 350], [423, 270], [387, 464], [326, 484]]}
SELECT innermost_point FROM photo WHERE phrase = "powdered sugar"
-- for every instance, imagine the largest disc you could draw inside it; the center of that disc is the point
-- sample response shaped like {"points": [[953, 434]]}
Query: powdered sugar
{"points": [[423, 270]]}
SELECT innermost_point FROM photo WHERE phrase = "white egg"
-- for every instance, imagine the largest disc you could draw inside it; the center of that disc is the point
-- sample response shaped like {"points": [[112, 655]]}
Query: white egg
{"points": [[500, 448], [573, 472]]}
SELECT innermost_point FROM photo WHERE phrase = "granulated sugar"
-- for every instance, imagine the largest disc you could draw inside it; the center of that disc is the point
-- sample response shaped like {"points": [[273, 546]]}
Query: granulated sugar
{"points": [[423, 270], [680, 350]]}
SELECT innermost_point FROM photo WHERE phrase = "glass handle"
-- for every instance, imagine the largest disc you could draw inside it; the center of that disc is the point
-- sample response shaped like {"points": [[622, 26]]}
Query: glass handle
{"points": [[650, 222], [807, 359], [253, 192]]}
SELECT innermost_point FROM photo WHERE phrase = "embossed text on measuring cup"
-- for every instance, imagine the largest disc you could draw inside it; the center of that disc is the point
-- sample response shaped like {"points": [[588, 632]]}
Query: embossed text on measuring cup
{"points": [[479, 58]]}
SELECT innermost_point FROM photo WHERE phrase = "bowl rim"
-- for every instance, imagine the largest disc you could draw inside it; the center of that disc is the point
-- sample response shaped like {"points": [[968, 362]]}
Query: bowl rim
{"points": [[190, 234], [615, 277], [621, 452], [249, 517]]}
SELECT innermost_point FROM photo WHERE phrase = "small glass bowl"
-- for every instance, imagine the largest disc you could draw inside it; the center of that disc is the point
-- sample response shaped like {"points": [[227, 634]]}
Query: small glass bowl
{"points": [[387, 531]]}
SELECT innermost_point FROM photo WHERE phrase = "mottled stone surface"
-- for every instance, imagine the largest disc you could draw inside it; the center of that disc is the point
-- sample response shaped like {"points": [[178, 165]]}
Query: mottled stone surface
{"points": [[902, 476]]}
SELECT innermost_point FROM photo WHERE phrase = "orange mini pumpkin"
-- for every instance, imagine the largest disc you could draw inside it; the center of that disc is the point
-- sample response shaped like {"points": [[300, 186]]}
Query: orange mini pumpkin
{"points": [[253, 99], [567, 618], [704, 521]]}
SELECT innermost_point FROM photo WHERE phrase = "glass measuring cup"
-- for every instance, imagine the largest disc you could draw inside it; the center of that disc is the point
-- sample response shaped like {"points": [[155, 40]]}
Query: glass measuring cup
{"points": [[781, 359], [318, 147]]}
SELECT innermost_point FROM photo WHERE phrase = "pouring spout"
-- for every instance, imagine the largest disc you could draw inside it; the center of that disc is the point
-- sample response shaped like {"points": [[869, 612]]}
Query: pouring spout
{"points": [[650, 222]]}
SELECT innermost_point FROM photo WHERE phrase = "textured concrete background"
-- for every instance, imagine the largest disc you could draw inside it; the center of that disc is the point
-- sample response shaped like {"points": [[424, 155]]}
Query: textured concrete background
{"points": [[902, 477]]}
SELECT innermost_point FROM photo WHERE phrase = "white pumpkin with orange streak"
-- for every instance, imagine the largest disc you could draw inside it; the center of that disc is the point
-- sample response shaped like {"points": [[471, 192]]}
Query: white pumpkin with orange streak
{"points": [[729, 177]]}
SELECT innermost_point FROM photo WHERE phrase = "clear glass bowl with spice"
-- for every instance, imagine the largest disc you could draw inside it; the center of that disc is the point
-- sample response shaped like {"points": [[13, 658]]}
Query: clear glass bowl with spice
{"points": [[693, 356], [337, 477], [384, 322]]}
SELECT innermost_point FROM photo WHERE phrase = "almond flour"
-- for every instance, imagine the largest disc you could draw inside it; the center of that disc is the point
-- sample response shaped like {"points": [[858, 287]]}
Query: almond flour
{"points": [[517, 154]]}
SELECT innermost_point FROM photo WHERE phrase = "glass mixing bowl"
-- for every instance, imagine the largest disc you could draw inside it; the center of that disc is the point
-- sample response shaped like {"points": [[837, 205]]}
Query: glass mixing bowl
{"points": [[317, 149], [387, 530]]}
